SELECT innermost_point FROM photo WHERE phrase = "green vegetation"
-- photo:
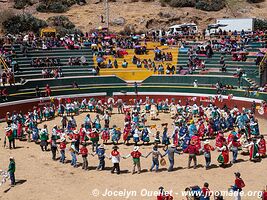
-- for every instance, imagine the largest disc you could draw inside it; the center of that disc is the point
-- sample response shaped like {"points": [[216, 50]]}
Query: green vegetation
{"points": [[207, 5]]}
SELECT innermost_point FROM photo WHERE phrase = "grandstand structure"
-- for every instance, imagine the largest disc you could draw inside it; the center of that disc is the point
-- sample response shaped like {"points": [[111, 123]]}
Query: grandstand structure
{"points": [[213, 64], [28, 72], [120, 80]]}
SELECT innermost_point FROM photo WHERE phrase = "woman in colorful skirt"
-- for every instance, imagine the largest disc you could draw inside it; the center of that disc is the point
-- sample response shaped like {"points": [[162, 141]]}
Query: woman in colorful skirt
{"points": [[262, 146], [46, 113], [223, 158], [94, 137], [35, 115], [52, 112], [135, 118], [83, 105], [126, 135], [254, 126], [147, 105], [91, 105], [41, 115], [175, 137], [165, 106], [105, 135], [61, 109], [96, 123], [14, 127], [115, 134], [253, 150], [35, 133], [165, 137], [20, 129], [145, 135], [195, 110], [87, 122]]}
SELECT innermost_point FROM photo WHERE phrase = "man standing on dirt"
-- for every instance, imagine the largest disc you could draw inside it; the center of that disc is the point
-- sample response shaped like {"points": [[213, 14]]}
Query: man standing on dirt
{"points": [[11, 171], [170, 152]]}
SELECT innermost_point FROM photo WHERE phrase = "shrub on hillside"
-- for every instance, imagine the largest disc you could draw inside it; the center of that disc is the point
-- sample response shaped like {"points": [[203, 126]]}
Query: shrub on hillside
{"points": [[260, 24], [20, 4], [23, 23], [255, 1], [182, 3], [55, 6], [62, 21], [63, 25], [207, 5], [210, 5]]}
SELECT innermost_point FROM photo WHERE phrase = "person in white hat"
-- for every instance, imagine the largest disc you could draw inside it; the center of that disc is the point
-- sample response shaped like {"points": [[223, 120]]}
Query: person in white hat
{"points": [[207, 148], [101, 153], [44, 138], [136, 159], [115, 158]]}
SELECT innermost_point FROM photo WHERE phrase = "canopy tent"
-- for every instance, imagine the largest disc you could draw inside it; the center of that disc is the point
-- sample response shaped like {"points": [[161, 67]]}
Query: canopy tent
{"points": [[48, 30]]}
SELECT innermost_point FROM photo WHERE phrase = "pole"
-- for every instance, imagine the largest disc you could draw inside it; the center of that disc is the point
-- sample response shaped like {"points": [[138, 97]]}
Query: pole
{"points": [[107, 13]]}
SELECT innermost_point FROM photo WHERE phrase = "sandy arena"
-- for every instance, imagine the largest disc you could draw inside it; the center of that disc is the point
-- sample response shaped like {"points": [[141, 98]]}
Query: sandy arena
{"points": [[45, 178]]}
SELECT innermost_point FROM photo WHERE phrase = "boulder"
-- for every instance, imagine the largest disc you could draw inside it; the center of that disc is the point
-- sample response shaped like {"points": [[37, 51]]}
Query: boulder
{"points": [[118, 21]]}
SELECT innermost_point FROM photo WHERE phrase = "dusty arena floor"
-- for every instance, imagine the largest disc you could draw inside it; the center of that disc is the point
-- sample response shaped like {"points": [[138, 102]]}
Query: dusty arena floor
{"points": [[41, 178]]}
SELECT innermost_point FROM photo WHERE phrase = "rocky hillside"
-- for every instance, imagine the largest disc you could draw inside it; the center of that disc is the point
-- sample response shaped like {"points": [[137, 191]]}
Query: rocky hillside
{"points": [[141, 15]]}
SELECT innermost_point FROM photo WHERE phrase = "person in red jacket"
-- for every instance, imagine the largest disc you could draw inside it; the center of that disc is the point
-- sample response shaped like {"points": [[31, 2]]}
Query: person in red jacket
{"points": [[84, 153], [205, 192], [193, 151], [220, 140], [62, 147], [207, 148], [262, 146], [264, 194], [238, 186], [136, 155]]}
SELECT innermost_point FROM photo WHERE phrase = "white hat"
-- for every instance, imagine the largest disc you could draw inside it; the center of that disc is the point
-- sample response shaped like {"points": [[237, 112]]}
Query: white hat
{"points": [[94, 130], [62, 139], [11, 158], [136, 148], [75, 132], [206, 142], [8, 128], [101, 146]]}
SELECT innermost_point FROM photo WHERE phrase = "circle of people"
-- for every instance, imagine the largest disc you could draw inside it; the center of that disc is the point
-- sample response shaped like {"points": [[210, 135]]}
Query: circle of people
{"points": [[193, 128]]}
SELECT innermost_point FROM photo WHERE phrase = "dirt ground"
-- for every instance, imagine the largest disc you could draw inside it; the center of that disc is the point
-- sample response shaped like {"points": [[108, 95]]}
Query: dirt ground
{"points": [[41, 178]]}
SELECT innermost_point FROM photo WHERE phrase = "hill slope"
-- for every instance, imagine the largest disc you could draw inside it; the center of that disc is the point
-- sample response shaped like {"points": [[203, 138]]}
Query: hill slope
{"points": [[147, 15]]}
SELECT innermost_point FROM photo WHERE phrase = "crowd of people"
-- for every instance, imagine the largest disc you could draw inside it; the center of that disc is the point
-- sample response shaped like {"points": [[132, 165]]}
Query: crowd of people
{"points": [[192, 131], [192, 124]]}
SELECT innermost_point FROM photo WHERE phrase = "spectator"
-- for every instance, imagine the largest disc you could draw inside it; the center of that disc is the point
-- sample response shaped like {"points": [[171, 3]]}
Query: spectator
{"points": [[37, 91], [124, 64], [195, 84]]}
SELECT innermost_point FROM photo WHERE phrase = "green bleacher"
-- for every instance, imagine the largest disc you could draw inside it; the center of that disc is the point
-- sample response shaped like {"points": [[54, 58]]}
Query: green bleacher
{"points": [[28, 72], [213, 66]]}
